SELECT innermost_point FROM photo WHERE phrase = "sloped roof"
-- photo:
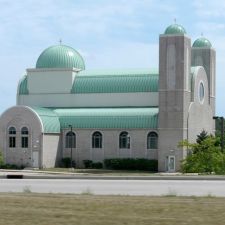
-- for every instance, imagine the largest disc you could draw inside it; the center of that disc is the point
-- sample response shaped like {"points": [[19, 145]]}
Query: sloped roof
{"points": [[97, 118], [49, 119], [116, 81], [108, 117], [22, 87]]}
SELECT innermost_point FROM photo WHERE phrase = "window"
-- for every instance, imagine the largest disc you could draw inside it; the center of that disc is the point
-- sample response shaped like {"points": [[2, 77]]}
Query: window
{"points": [[12, 137], [124, 140], [201, 92], [152, 140], [97, 140], [70, 140], [24, 137], [12, 130]]}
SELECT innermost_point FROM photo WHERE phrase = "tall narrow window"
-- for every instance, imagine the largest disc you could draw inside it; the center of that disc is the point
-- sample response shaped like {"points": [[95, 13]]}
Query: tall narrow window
{"points": [[24, 137], [70, 140], [152, 140], [124, 140], [97, 140], [12, 137]]}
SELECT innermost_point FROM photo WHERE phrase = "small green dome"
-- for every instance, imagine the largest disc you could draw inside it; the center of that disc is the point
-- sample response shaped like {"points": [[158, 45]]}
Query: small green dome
{"points": [[202, 43], [175, 29], [60, 56]]}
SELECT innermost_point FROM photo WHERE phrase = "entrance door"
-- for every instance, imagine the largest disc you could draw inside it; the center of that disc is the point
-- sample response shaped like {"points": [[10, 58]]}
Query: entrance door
{"points": [[35, 159], [171, 163]]}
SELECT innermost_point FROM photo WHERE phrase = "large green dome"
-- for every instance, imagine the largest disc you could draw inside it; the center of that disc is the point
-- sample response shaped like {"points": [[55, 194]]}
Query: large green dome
{"points": [[60, 56], [175, 29], [202, 43]]}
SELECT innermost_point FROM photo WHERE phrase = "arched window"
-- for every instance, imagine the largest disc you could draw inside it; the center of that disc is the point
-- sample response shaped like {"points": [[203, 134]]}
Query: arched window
{"points": [[70, 140], [124, 140], [24, 137], [152, 140], [96, 140], [12, 137]]}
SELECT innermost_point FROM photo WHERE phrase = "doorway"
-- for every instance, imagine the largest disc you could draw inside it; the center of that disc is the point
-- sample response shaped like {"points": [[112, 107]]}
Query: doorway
{"points": [[35, 159], [171, 163]]}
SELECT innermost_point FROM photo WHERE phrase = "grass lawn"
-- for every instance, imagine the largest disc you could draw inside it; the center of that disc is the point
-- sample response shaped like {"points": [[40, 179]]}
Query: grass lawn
{"points": [[101, 171], [54, 209]]}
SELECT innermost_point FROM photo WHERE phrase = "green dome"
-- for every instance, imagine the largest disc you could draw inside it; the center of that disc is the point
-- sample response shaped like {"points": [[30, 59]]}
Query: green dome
{"points": [[60, 56], [202, 43], [175, 29]]}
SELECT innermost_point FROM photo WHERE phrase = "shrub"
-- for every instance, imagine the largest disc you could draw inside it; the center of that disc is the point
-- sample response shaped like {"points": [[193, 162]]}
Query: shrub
{"points": [[12, 166], [97, 165], [206, 157], [66, 162], [87, 164], [131, 164], [1, 159]]}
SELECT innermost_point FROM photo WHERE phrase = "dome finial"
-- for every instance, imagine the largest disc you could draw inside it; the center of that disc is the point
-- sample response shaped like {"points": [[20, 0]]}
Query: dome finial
{"points": [[175, 20], [60, 41], [202, 34]]}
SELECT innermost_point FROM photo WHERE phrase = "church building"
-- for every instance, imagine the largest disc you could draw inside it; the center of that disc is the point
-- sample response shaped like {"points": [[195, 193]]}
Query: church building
{"points": [[65, 110]]}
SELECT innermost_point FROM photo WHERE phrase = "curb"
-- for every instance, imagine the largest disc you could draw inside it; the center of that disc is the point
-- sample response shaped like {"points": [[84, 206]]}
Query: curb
{"points": [[88, 177]]}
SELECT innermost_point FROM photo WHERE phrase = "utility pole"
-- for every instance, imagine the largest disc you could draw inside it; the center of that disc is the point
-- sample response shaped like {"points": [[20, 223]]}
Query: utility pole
{"points": [[71, 146]]}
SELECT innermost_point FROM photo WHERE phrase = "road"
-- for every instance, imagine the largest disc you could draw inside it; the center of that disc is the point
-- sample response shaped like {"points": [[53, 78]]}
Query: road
{"points": [[116, 187]]}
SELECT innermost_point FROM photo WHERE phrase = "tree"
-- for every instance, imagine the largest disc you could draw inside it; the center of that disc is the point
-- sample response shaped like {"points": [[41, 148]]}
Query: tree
{"points": [[202, 136], [206, 157]]}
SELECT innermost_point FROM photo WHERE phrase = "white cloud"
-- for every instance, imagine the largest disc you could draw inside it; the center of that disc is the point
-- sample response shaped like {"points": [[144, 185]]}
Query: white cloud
{"points": [[125, 55], [209, 9], [121, 33]]}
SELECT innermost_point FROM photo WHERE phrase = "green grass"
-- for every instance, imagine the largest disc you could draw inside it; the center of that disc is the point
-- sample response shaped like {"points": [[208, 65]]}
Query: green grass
{"points": [[100, 171], [58, 209]]}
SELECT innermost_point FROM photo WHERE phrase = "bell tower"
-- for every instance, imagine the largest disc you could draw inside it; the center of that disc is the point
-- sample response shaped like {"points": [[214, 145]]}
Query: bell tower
{"points": [[174, 95], [204, 55]]}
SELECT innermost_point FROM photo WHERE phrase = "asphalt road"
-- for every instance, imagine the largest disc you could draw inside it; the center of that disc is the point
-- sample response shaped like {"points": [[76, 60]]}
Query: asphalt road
{"points": [[116, 187]]}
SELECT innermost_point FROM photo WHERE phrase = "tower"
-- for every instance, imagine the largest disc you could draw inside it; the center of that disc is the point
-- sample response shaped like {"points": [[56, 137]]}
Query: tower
{"points": [[174, 95], [202, 54]]}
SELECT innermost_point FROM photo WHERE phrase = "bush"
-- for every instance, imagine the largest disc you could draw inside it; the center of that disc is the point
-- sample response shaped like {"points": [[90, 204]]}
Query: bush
{"points": [[66, 162], [12, 167], [132, 164], [97, 165], [87, 164], [1, 159], [206, 157]]}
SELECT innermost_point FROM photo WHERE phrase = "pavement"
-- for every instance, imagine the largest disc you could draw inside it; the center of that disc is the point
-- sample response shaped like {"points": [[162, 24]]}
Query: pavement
{"points": [[38, 174]]}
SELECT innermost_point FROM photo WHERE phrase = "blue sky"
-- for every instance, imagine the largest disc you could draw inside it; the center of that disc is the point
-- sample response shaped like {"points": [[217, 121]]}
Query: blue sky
{"points": [[108, 34]]}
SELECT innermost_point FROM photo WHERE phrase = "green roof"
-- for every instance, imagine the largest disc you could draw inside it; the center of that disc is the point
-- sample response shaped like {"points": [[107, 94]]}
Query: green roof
{"points": [[175, 29], [22, 88], [97, 118], [109, 81], [202, 43], [49, 119], [116, 81], [60, 56]]}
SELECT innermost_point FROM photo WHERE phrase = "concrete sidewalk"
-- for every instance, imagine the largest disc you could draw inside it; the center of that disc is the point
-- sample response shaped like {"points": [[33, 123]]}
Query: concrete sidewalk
{"points": [[37, 174]]}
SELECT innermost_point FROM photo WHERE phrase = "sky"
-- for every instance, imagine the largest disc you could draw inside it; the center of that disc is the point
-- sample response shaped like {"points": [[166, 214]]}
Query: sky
{"points": [[107, 33]]}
